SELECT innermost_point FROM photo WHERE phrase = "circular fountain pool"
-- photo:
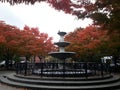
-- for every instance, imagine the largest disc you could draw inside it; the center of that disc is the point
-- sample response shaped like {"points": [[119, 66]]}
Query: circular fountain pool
{"points": [[66, 73]]}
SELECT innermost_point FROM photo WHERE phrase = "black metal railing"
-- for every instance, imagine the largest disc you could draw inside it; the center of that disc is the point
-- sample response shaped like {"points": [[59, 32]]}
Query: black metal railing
{"points": [[63, 69]]}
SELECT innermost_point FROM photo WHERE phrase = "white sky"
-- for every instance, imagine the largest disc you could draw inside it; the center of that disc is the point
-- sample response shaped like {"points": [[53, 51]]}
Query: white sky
{"points": [[40, 15]]}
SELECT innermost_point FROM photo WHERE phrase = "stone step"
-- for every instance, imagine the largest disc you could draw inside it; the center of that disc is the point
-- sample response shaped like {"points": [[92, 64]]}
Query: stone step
{"points": [[111, 86], [65, 78], [63, 83], [33, 86]]}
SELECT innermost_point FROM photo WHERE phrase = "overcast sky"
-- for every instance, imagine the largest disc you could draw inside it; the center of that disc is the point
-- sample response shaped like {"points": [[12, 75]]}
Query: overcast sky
{"points": [[40, 15]]}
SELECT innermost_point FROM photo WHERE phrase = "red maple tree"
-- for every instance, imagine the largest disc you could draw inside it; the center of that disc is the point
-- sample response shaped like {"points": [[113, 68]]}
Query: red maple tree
{"points": [[27, 42], [85, 42]]}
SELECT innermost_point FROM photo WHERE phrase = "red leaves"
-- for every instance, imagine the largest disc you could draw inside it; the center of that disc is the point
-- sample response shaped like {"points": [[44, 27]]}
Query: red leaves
{"points": [[36, 43], [91, 37], [26, 41], [103, 12], [2, 39], [86, 39], [64, 5]]}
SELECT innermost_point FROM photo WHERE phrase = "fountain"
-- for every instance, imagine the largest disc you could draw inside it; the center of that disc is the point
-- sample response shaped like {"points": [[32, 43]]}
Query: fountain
{"points": [[62, 69], [62, 55]]}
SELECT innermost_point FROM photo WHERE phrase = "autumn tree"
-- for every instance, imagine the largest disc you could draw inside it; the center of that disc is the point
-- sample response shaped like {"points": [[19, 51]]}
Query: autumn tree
{"points": [[114, 45], [2, 40], [87, 42], [34, 43], [9, 41], [104, 12], [27, 42]]}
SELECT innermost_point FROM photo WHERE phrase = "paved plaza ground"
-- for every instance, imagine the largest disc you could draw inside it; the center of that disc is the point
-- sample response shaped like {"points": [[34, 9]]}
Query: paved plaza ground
{"points": [[6, 87]]}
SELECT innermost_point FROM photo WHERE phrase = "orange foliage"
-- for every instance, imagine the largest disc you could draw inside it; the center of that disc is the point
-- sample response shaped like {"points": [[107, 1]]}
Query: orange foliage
{"points": [[28, 41], [86, 40]]}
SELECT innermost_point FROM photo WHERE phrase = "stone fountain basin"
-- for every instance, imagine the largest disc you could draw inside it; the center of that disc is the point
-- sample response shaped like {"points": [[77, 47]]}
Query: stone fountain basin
{"points": [[62, 44], [62, 55]]}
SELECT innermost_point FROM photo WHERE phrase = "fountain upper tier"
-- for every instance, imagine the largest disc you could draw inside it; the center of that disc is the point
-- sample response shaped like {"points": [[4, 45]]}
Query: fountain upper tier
{"points": [[62, 44], [61, 33]]}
